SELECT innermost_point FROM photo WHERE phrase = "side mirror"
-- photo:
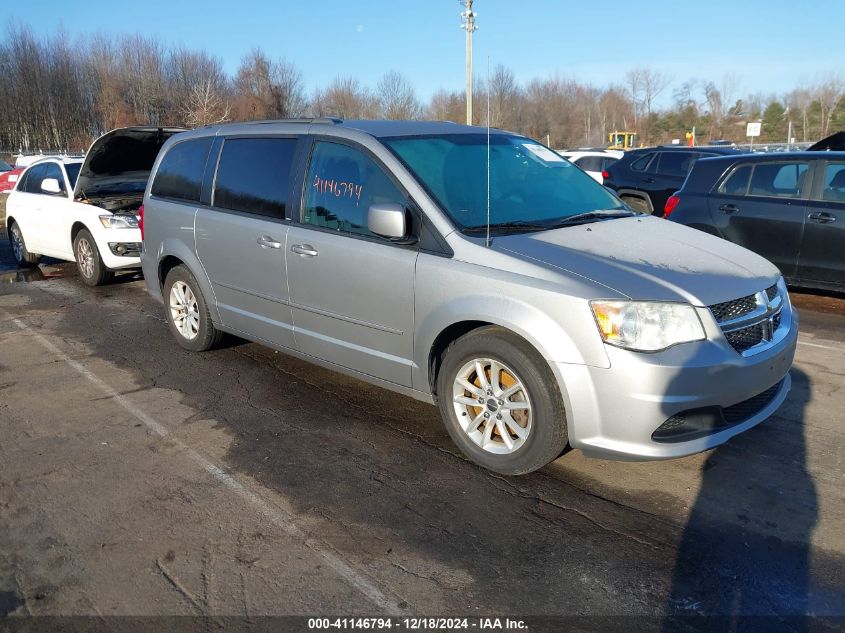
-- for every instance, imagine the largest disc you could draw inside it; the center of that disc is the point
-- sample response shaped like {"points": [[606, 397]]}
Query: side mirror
{"points": [[387, 219], [51, 186]]}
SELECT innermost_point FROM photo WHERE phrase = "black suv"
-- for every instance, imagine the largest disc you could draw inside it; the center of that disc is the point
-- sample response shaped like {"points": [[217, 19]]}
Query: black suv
{"points": [[788, 207], [645, 178]]}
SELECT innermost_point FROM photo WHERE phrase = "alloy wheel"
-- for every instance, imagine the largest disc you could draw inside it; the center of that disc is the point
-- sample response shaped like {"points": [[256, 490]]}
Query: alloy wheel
{"points": [[184, 310], [492, 405], [85, 257]]}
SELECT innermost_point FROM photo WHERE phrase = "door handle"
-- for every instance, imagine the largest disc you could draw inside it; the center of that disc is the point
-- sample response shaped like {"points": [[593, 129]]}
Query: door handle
{"points": [[304, 249], [729, 209], [822, 217], [268, 242], [648, 180]]}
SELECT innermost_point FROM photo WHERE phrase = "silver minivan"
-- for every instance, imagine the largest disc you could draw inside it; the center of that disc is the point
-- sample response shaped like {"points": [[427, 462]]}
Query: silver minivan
{"points": [[473, 269]]}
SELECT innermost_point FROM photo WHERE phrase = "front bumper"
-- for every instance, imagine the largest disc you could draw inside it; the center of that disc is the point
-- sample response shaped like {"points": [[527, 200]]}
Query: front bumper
{"points": [[614, 412]]}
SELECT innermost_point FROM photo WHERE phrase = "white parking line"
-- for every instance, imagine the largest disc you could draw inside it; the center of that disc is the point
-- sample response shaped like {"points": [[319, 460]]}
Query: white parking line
{"points": [[278, 517], [835, 348]]}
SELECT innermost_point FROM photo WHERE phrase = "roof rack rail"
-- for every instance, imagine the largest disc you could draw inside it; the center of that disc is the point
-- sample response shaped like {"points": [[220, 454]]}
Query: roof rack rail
{"points": [[320, 119]]}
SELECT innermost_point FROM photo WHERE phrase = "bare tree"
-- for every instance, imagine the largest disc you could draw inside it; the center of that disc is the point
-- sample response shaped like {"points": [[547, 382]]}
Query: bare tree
{"points": [[396, 97], [204, 105], [346, 98]]}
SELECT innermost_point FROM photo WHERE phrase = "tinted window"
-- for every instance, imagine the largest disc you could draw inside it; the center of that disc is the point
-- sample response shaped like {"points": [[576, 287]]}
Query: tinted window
{"points": [[676, 163], [342, 184], [782, 180], [32, 179], [641, 163], [607, 162], [834, 182], [72, 170], [589, 163], [181, 170], [737, 183], [254, 175]]}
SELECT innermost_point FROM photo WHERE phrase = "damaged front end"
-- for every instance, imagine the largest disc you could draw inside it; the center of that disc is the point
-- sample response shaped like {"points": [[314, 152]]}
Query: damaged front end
{"points": [[116, 169]]}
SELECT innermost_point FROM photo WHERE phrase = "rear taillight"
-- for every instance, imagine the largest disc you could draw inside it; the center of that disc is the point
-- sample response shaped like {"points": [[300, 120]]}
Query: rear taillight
{"points": [[671, 203], [605, 174], [141, 220]]}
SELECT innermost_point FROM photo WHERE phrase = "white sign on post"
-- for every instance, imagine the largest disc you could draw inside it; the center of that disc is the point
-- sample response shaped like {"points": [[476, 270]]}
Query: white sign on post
{"points": [[753, 129]]}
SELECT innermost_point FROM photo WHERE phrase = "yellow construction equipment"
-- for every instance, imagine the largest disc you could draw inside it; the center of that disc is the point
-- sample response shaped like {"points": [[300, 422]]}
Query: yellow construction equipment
{"points": [[622, 140]]}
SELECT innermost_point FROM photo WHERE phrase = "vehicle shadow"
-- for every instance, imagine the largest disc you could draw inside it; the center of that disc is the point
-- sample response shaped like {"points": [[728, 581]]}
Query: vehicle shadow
{"points": [[751, 571]]}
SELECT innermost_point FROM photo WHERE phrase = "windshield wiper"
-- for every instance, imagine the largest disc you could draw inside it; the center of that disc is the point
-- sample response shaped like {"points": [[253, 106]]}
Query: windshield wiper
{"points": [[516, 225], [592, 216]]}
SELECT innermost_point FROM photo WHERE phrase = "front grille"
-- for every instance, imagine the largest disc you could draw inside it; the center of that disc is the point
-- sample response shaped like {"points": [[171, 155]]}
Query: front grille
{"points": [[749, 408], [750, 320], [734, 309], [745, 338]]}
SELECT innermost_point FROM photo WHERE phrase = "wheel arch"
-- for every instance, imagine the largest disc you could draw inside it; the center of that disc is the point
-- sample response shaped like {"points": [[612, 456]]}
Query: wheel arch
{"points": [[437, 330], [634, 193], [172, 253]]}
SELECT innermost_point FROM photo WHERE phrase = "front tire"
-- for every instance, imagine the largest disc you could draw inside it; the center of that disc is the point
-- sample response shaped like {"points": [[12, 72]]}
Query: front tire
{"points": [[92, 270], [23, 257], [187, 311], [500, 402]]}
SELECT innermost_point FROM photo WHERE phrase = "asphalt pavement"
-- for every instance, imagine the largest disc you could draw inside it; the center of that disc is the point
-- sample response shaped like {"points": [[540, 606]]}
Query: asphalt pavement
{"points": [[140, 479]]}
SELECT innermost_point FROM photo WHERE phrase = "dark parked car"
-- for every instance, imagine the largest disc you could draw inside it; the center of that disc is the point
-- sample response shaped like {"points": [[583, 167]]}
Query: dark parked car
{"points": [[645, 178], [788, 207]]}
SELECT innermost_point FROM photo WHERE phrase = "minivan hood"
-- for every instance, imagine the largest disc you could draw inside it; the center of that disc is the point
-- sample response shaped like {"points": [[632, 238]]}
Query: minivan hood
{"points": [[648, 258], [120, 161]]}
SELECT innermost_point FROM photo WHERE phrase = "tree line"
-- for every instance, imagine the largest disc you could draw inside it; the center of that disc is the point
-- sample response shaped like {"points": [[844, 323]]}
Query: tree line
{"points": [[59, 95]]}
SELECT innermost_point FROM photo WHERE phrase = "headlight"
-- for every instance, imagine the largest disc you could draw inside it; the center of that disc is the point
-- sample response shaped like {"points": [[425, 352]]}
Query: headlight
{"points": [[119, 221], [647, 326]]}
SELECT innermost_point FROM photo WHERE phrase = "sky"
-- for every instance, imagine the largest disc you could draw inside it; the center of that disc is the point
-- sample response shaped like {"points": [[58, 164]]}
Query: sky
{"points": [[770, 46]]}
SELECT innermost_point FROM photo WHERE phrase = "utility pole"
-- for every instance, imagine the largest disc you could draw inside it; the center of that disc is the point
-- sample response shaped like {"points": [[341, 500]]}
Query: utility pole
{"points": [[469, 26]]}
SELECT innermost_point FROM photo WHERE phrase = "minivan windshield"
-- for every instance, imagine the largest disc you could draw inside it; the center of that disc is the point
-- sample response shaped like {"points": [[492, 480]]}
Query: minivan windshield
{"points": [[531, 187]]}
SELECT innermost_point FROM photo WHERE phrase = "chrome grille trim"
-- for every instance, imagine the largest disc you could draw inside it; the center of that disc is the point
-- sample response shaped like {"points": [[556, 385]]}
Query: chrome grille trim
{"points": [[753, 330]]}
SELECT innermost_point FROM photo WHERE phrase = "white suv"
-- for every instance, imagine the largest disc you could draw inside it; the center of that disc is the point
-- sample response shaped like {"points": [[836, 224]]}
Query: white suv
{"points": [[86, 210]]}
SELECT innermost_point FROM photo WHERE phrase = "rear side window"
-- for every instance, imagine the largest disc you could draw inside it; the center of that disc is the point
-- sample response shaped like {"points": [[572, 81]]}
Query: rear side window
{"points": [[780, 180], [254, 175], [834, 182], [181, 170], [641, 163], [589, 163], [737, 183], [676, 163]]}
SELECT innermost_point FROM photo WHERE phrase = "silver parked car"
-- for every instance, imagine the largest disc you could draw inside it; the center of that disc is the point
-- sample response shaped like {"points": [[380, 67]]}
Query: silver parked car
{"points": [[485, 274]]}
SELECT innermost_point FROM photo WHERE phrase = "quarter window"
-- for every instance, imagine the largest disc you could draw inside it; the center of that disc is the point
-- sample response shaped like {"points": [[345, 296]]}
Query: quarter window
{"points": [[254, 175], [737, 183], [181, 170], [780, 180], [641, 163], [341, 185]]}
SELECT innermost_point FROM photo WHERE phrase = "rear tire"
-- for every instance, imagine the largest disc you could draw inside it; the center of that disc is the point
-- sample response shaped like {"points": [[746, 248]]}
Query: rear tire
{"points": [[23, 257], [509, 416], [187, 312], [92, 270]]}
